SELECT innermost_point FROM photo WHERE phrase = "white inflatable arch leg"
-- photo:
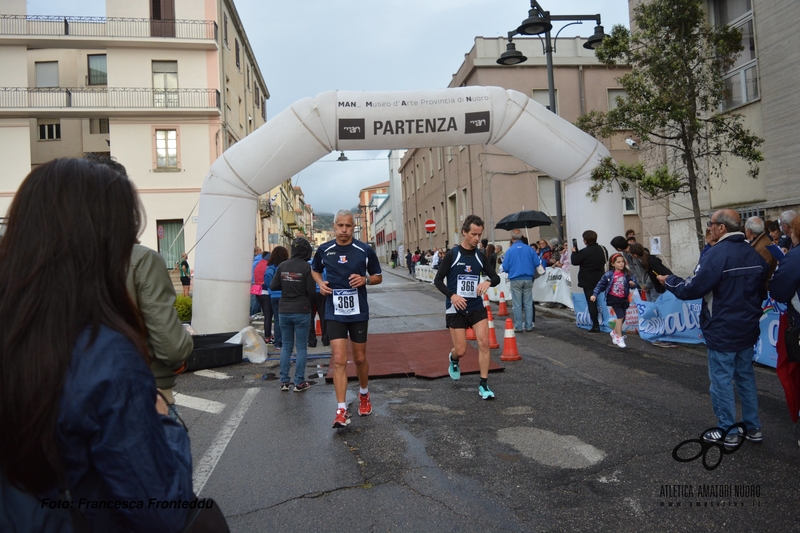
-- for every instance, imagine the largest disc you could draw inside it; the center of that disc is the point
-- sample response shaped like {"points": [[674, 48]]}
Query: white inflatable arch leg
{"points": [[352, 120]]}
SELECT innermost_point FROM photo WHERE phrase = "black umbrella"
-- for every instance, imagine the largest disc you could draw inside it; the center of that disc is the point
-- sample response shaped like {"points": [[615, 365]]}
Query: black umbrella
{"points": [[524, 219]]}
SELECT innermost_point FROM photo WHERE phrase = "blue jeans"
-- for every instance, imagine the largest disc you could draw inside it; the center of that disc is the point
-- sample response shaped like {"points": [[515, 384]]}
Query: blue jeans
{"points": [[276, 315], [294, 330], [737, 366], [522, 301]]}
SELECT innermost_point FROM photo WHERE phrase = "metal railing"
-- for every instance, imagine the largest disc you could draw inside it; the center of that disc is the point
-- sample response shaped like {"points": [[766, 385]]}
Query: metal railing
{"points": [[106, 27], [83, 97]]}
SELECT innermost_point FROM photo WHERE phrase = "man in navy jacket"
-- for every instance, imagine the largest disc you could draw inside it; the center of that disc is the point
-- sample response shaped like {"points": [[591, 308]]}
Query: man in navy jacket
{"points": [[730, 279]]}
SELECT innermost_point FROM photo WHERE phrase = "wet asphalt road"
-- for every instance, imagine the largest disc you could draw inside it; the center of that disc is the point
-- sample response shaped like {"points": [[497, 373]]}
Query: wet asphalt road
{"points": [[579, 438]]}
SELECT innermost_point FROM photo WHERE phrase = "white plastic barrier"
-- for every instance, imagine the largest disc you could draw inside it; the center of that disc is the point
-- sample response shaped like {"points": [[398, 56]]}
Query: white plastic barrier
{"points": [[358, 120], [425, 273], [554, 286]]}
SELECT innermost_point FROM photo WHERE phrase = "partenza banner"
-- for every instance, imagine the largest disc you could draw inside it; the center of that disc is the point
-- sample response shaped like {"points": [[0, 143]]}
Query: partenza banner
{"points": [[390, 119]]}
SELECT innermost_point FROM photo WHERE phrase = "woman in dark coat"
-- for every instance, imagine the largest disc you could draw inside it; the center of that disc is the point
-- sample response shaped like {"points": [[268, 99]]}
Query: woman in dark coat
{"points": [[654, 268]]}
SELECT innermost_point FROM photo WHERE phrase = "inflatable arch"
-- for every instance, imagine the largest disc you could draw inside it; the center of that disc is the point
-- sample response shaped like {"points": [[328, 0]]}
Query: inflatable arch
{"points": [[355, 120]]}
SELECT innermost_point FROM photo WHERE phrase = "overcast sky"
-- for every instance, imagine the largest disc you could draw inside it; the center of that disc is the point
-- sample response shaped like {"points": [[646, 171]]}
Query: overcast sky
{"points": [[305, 47]]}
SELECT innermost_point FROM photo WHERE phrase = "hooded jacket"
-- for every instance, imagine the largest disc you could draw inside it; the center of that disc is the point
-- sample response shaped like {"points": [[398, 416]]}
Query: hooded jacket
{"points": [[730, 279], [293, 278]]}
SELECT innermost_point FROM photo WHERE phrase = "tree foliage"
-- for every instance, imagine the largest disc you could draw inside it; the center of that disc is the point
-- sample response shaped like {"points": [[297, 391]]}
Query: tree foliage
{"points": [[675, 91]]}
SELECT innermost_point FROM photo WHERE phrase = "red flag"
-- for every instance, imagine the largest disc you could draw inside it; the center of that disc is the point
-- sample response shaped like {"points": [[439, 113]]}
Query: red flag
{"points": [[788, 372]]}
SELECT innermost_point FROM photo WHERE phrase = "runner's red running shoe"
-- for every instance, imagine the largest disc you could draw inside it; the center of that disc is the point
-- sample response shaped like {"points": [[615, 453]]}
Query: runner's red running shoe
{"points": [[342, 418], [365, 406]]}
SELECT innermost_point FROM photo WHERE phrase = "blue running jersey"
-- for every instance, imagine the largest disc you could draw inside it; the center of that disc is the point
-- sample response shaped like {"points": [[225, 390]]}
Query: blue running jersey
{"points": [[340, 262]]}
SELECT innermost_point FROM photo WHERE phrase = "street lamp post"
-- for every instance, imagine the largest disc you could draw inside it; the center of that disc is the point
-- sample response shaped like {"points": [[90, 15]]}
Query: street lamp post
{"points": [[540, 21]]}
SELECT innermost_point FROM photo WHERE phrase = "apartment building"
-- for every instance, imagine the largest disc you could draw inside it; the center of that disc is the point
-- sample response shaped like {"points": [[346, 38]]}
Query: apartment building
{"points": [[447, 184], [163, 86], [366, 212], [761, 86]]}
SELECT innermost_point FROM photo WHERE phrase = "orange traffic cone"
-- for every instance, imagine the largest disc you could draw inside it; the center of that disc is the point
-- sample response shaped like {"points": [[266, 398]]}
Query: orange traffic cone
{"points": [[510, 352], [318, 331], [502, 309], [471, 334], [492, 336], [489, 313], [485, 300]]}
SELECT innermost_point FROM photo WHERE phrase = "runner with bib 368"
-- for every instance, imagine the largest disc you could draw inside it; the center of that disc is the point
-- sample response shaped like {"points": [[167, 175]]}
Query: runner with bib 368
{"points": [[350, 266]]}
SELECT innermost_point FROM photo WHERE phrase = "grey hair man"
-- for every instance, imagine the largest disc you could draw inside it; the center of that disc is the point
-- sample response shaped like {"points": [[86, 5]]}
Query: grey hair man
{"points": [[753, 227], [759, 240], [785, 222], [731, 276], [350, 265]]}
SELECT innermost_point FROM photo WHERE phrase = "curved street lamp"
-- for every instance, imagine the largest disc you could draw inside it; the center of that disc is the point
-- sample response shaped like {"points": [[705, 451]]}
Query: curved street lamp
{"points": [[540, 22]]}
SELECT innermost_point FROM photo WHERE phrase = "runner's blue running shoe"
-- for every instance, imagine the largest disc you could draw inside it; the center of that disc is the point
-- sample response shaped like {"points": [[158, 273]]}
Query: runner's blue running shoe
{"points": [[485, 392], [455, 370]]}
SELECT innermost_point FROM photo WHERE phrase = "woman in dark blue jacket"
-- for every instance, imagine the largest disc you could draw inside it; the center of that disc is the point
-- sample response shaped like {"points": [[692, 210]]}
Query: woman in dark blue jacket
{"points": [[785, 283], [79, 409]]}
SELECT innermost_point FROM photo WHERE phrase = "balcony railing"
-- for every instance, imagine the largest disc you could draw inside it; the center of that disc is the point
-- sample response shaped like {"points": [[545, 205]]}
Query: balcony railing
{"points": [[87, 97], [106, 27]]}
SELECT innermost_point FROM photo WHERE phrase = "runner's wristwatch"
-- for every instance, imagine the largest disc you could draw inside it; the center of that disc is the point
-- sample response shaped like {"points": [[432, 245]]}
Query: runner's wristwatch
{"points": [[366, 278]]}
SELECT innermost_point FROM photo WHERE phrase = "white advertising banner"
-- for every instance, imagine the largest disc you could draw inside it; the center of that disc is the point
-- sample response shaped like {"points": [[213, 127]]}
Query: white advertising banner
{"points": [[413, 120], [553, 286]]}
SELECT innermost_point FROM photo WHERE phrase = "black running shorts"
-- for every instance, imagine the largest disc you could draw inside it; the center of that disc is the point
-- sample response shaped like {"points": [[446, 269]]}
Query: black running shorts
{"points": [[340, 330], [465, 320], [186, 281]]}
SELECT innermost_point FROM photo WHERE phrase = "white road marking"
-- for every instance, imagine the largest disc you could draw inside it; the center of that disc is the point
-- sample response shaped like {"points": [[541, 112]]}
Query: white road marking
{"points": [[199, 404], [209, 461], [213, 374], [551, 449]]}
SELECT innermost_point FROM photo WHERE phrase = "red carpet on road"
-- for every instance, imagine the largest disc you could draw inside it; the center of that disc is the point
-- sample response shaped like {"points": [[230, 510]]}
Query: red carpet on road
{"points": [[422, 354]]}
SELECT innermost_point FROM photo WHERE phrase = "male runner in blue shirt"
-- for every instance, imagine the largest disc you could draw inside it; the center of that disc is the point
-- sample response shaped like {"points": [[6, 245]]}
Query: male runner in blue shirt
{"points": [[350, 266], [461, 267]]}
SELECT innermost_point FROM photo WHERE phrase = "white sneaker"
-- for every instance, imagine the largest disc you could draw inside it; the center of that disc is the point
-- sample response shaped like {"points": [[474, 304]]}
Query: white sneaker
{"points": [[614, 338], [621, 342]]}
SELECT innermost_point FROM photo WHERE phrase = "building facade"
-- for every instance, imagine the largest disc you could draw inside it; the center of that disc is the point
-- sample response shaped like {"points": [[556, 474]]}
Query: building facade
{"points": [[365, 216], [381, 227], [761, 88], [447, 184], [163, 86]]}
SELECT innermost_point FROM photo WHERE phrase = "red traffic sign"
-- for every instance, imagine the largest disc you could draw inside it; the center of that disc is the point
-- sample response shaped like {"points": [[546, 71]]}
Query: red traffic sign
{"points": [[430, 225]]}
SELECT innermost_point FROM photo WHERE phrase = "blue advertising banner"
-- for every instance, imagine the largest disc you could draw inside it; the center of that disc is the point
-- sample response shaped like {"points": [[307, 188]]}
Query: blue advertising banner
{"points": [[669, 319], [582, 318], [672, 320], [765, 351]]}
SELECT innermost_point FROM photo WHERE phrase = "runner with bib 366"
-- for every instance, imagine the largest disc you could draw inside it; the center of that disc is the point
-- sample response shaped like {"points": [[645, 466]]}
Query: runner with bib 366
{"points": [[350, 266]]}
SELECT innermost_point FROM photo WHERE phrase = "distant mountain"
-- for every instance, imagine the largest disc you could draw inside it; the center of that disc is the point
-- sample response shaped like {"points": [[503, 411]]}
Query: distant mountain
{"points": [[323, 221]]}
